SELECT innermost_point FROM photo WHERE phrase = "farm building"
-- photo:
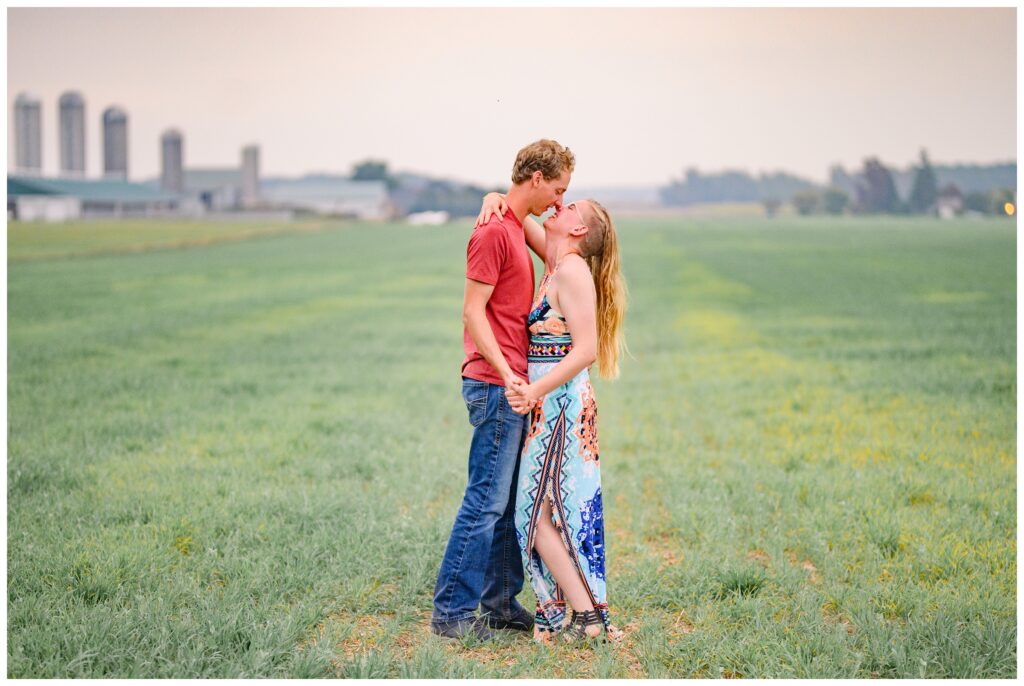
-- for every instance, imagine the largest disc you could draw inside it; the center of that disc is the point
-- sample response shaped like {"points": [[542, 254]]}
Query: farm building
{"points": [[950, 201], [33, 199], [330, 196], [215, 189]]}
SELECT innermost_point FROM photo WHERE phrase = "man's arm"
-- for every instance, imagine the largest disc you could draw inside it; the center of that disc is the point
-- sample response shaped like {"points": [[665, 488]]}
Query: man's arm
{"points": [[474, 316]]}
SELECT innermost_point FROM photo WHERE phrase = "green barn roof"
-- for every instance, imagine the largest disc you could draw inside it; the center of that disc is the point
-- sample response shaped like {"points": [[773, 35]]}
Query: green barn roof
{"points": [[98, 190]]}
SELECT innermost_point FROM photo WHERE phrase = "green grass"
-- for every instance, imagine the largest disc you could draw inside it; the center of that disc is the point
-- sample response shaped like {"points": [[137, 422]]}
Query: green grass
{"points": [[242, 459], [37, 240]]}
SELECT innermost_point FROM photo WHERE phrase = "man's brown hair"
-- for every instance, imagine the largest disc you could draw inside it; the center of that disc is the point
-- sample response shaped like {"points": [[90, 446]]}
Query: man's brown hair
{"points": [[545, 156]]}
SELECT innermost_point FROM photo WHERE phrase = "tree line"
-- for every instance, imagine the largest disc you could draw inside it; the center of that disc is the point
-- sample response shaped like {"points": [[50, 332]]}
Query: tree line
{"points": [[417, 193], [872, 190]]}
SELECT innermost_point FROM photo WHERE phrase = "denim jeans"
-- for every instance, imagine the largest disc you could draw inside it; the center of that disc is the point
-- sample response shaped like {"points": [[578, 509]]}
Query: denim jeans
{"points": [[482, 563]]}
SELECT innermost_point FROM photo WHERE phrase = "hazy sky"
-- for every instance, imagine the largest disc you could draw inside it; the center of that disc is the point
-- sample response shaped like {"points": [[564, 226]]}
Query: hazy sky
{"points": [[638, 95]]}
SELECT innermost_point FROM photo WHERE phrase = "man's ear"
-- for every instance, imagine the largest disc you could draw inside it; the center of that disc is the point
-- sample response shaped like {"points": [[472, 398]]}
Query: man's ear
{"points": [[537, 177]]}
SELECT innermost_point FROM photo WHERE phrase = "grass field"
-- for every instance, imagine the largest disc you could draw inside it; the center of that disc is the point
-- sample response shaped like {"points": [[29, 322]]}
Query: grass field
{"points": [[241, 457]]}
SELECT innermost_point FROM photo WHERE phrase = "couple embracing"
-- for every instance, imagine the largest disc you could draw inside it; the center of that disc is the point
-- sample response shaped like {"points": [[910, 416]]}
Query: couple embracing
{"points": [[533, 497]]}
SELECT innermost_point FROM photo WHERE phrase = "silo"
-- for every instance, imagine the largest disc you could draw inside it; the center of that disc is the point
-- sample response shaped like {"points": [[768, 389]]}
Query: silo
{"points": [[250, 175], [115, 143], [28, 149], [72, 134], [172, 176]]}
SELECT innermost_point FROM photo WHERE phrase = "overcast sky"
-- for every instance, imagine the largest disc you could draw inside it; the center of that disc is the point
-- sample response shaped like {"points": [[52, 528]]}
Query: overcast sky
{"points": [[638, 95]]}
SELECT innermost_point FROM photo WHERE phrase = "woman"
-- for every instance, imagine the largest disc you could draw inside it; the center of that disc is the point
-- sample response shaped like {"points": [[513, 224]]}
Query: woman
{"points": [[576, 318]]}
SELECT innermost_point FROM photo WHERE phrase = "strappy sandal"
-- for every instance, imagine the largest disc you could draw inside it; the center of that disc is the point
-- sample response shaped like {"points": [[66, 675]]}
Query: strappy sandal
{"points": [[576, 630]]}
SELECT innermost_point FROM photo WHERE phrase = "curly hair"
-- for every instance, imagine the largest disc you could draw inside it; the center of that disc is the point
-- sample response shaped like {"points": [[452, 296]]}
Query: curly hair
{"points": [[545, 156]]}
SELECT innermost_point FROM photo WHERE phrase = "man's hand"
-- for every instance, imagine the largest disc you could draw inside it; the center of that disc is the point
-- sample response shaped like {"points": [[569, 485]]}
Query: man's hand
{"points": [[520, 396]]}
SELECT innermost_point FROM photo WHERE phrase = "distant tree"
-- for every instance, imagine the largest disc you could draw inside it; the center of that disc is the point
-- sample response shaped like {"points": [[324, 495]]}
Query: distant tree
{"points": [[1000, 198], [981, 178], [925, 190], [877, 193], [806, 202], [731, 186], [781, 185], [884, 192], [373, 170], [834, 200], [978, 202], [370, 170], [838, 178], [454, 198], [728, 186], [771, 206]]}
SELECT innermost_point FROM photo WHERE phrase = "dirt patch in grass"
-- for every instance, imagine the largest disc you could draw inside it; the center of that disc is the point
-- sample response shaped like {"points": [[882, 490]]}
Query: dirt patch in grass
{"points": [[834, 616], [670, 558], [760, 557], [562, 660], [367, 632], [806, 565], [680, 625]]}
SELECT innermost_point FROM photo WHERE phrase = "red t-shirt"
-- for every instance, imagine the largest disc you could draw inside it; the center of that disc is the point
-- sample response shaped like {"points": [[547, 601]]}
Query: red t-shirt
{"points": [[497, 255]]}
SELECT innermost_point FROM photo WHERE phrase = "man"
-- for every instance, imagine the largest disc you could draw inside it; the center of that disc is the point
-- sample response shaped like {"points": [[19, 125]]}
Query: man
{"points": [[482, 563]]}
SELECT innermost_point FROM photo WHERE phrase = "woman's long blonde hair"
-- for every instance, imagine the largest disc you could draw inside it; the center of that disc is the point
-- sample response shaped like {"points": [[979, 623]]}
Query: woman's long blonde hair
{"points": [[600, 248]]}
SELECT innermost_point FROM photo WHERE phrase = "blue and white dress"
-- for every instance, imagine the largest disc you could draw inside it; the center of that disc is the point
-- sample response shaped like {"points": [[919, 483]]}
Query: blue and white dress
{"points": [[560, 462]]}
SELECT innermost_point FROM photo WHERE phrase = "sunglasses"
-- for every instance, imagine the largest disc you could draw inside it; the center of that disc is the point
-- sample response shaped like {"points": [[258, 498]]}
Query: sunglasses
{"points": [[578, 214]]}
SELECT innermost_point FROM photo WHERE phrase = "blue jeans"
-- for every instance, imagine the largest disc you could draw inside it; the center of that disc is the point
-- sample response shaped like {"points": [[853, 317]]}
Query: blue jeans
{"points": [[482, 563]]}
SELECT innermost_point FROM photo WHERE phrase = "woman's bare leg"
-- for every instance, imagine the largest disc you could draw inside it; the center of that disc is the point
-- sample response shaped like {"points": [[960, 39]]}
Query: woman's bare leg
{"points": [[549, 544]]}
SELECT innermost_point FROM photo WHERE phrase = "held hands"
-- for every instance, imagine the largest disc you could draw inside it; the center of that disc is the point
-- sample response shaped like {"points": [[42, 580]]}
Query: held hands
{"points": [[494, 203], [521, 396]]}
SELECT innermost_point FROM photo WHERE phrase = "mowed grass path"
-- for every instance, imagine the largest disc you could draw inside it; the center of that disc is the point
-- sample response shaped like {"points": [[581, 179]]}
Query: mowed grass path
{"points": [[243, 459]]}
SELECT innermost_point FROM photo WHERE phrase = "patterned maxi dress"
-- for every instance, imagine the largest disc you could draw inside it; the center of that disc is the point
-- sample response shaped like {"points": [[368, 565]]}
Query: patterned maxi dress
{"points": [[560, 463]]}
